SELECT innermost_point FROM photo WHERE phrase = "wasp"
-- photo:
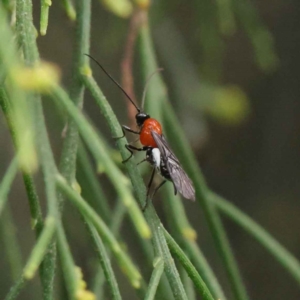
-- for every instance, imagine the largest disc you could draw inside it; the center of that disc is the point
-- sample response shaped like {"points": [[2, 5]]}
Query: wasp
{"points": [[158, 152]]}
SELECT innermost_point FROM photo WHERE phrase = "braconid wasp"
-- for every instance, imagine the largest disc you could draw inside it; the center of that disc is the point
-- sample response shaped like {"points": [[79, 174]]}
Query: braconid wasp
{"points": [[158, 152]]}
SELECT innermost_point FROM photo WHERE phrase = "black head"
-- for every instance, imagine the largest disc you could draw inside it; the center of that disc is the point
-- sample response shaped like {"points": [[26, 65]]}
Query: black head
{"points": [[140, 118]]}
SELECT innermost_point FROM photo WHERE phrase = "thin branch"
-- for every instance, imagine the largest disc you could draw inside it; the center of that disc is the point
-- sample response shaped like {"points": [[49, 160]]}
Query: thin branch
{"points": [[27, 40], [283, 256], [99, 151], [155, 278], [105, 263], [218, 232], [160, 246], [189, 267], [91, 216], [7, 181]]}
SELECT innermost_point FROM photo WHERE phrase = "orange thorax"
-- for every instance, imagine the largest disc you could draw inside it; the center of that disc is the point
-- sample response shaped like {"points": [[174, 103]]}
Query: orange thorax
{"points": [[145, 134]]}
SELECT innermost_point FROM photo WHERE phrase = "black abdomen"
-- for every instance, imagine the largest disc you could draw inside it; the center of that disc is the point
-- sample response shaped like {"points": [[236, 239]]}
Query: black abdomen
{"points": [[164, 171]]}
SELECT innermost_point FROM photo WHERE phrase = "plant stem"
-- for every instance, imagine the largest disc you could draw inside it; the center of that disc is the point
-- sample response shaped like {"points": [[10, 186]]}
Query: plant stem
{"points": [[203, 267], [102, 157], [16, 288], [26, 36], [159, 97], [186, 236], [155, 96], [69, 8], [11, 244], [69, 153], [45, 4], [116, 219], [97, 196], [285, 258], [90, 215], [7, 181], [67, 263], [37, 221], [187, 283], [159, 242], [82, 41], [194, 275], [155, 278], [105, 262], [34, 205], [40, 248], [185, 153]]}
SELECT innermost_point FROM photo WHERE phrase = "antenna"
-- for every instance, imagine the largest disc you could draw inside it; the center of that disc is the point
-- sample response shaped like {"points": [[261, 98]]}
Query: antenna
{"points": [[114, 81], [147, 85]]}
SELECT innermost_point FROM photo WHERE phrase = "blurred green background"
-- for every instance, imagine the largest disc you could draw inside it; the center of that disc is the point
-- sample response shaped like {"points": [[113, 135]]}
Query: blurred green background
{"points": [[233, 80]]}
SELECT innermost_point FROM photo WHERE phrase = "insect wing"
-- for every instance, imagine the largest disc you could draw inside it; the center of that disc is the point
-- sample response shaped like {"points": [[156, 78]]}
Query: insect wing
{"points": [[180, 179]]}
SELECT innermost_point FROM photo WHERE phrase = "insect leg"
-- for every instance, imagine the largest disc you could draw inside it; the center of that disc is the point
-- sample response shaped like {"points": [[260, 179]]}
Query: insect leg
{"points": [[157, 188], [130, 148], [124, 127], [175, 190], [148, 189], [145, 159]]}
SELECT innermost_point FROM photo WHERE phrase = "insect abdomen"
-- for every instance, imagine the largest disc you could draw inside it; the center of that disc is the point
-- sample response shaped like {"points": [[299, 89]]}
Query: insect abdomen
{"points": [[165, 172]]}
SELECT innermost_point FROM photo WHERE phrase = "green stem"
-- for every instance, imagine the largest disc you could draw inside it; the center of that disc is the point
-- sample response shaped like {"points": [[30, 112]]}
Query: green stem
{"points": [[159, 242], [116, 220], [176, 216], [227, 23], [155, 97], [49, 171], [35, 210], [40, 248], [69, 8], [155, 278], [37, 221], [259, 35], [82, 40], [203, 267], [26, 36], [89, 214], [34, 204], [186, 236], [105, 263], [16, 288], [25, 31], [285, 258], [69, 153], [187, 283], [45, 4], [102, 157], [187, 157], [94, 190], [7, 181], [67, 263], [158, 91], [11, 244], [194, 275]]}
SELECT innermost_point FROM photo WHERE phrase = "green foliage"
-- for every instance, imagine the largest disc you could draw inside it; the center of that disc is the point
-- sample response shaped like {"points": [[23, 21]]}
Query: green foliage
{"points": [[24, 82]]}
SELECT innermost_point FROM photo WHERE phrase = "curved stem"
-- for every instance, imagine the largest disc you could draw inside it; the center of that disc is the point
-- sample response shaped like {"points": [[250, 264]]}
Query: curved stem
{"points": [[159, 242], [285, 258], [194, 275], [210, 212], [155, 278]]}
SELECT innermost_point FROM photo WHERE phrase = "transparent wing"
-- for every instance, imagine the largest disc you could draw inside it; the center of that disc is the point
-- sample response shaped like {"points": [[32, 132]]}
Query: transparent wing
{"points": [[182, 182]]}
